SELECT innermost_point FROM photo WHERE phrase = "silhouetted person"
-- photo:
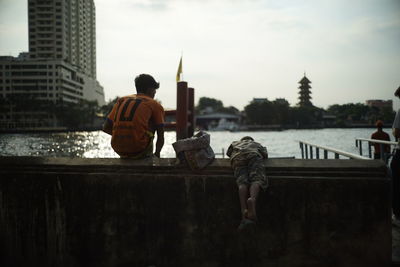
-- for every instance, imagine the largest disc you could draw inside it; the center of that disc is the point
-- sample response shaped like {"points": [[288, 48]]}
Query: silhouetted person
{"points": [[134, 119], [247, 160], [395, 164], [380, 135]]}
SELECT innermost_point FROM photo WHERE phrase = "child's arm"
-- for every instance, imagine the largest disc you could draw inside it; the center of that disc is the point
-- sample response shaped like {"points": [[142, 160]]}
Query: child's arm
{"points": [[263, 151], [229, 152]]}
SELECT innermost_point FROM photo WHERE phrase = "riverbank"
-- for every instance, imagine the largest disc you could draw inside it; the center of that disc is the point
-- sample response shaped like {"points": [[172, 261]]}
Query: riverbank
{"points": [[306, 127]]}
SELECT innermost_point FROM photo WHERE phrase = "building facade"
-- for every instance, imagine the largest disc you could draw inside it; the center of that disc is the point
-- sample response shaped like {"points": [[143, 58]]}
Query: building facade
{"points": [[63, 30], [380, 104], [60, 66]]}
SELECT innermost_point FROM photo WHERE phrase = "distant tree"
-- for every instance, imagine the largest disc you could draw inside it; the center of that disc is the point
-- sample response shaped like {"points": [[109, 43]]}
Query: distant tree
{"points": [[74, 115], [387, 114], [358, 112], [206, 102], [262, 112], [281, 110], [305, 116], [230, 110]]}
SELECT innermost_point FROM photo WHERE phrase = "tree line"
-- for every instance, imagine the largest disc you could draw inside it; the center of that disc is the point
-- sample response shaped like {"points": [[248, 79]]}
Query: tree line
{"points": [[256, 112], [71, 115], [279, 112]]}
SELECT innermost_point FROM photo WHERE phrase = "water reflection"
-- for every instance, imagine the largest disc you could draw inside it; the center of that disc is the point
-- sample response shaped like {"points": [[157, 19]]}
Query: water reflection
{"points": [[97, 144]]}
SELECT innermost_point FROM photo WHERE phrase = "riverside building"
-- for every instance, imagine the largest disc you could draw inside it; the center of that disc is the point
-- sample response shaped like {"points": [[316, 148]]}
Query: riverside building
{"points": [[60, 65]]}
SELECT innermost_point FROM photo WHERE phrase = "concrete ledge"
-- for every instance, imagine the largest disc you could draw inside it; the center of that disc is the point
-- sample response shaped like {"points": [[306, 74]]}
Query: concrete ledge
{"points": [[113, 212]]}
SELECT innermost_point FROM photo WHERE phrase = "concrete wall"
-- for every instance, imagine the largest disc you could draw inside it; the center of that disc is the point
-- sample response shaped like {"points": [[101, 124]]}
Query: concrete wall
{"points": [[113, 212]]}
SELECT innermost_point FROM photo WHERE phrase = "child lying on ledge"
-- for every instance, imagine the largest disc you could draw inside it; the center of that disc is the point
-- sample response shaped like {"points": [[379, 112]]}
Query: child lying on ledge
{"points": [[247, 160]]}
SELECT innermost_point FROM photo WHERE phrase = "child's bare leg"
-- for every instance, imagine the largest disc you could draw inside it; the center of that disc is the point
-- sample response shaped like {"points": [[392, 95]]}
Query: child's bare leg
{"points": [[243, 195], [252, 201]]}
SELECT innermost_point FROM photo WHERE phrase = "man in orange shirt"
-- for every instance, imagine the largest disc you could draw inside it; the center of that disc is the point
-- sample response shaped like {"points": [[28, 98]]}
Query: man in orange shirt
{"points": [[380, 135], [134, 119]]}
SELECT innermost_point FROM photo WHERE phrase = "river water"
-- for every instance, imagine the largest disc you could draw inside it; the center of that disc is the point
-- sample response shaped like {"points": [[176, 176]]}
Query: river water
{"points": [[97, 144]]}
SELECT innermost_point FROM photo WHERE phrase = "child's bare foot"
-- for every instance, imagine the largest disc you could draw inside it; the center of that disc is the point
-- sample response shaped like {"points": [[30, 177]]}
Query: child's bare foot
{"points": [[251, 213]]}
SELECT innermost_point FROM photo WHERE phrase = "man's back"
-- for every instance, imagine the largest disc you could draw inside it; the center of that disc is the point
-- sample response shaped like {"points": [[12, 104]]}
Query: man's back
{"points": [[134, 118], [380, 135]]}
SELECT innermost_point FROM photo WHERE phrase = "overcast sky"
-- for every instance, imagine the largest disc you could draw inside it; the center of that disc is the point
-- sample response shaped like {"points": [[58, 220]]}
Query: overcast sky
{"points": [[234, 50]]}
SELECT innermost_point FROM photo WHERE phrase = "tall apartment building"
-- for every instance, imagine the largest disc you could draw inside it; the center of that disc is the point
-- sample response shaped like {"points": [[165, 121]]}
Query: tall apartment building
{"points": [[60, 65], [63, 30]]}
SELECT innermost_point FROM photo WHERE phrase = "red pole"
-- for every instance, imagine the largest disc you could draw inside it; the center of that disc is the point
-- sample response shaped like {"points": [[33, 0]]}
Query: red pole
{"points": [[191, 118], [181, 111]]}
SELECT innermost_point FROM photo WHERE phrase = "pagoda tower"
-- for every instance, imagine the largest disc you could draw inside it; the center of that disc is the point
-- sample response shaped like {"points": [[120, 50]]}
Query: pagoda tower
{"points": [[305, 93]]}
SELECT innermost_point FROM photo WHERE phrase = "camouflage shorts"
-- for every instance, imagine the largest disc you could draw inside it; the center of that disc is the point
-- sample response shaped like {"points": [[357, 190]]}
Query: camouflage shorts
{"points": [[253, 172]]}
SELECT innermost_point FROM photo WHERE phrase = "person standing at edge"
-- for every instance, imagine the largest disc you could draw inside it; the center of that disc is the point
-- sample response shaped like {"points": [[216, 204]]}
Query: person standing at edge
{"points": [[395, 165], [380, 135], [247, 160], [134, 119]]}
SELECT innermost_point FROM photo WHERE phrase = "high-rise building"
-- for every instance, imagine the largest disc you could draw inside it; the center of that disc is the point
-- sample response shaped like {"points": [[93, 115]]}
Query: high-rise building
{"points": [[60, 66], [66, 30], [305, 93]]}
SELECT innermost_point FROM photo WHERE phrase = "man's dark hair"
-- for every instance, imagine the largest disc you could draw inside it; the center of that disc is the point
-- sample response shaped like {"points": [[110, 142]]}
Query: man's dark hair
{"points": [[379, 124], [397, 93], [143, 82]]}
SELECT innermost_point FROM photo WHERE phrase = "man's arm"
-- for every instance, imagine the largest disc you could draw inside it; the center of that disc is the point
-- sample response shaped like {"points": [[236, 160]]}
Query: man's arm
{"points": [[160, 141], [396, 126], [263, 151], [107, 126], [396, 133], [229, 152]]}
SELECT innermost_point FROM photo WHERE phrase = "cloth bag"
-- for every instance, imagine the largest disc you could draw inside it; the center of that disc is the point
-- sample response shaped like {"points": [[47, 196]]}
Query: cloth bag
{"points": [[196, 151]]}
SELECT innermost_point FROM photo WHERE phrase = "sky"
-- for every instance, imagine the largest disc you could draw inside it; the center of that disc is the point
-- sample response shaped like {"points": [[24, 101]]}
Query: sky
{"points": [[235, 50]]}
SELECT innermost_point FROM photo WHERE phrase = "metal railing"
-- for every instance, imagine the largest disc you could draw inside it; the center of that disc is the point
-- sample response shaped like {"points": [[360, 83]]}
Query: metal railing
{"points": [[384, 156], [307, 149], [222, 154]]}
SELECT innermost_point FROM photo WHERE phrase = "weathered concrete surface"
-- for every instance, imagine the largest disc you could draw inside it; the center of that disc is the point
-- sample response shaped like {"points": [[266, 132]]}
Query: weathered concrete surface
{"points": [[395, 245], [113, 212]]}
